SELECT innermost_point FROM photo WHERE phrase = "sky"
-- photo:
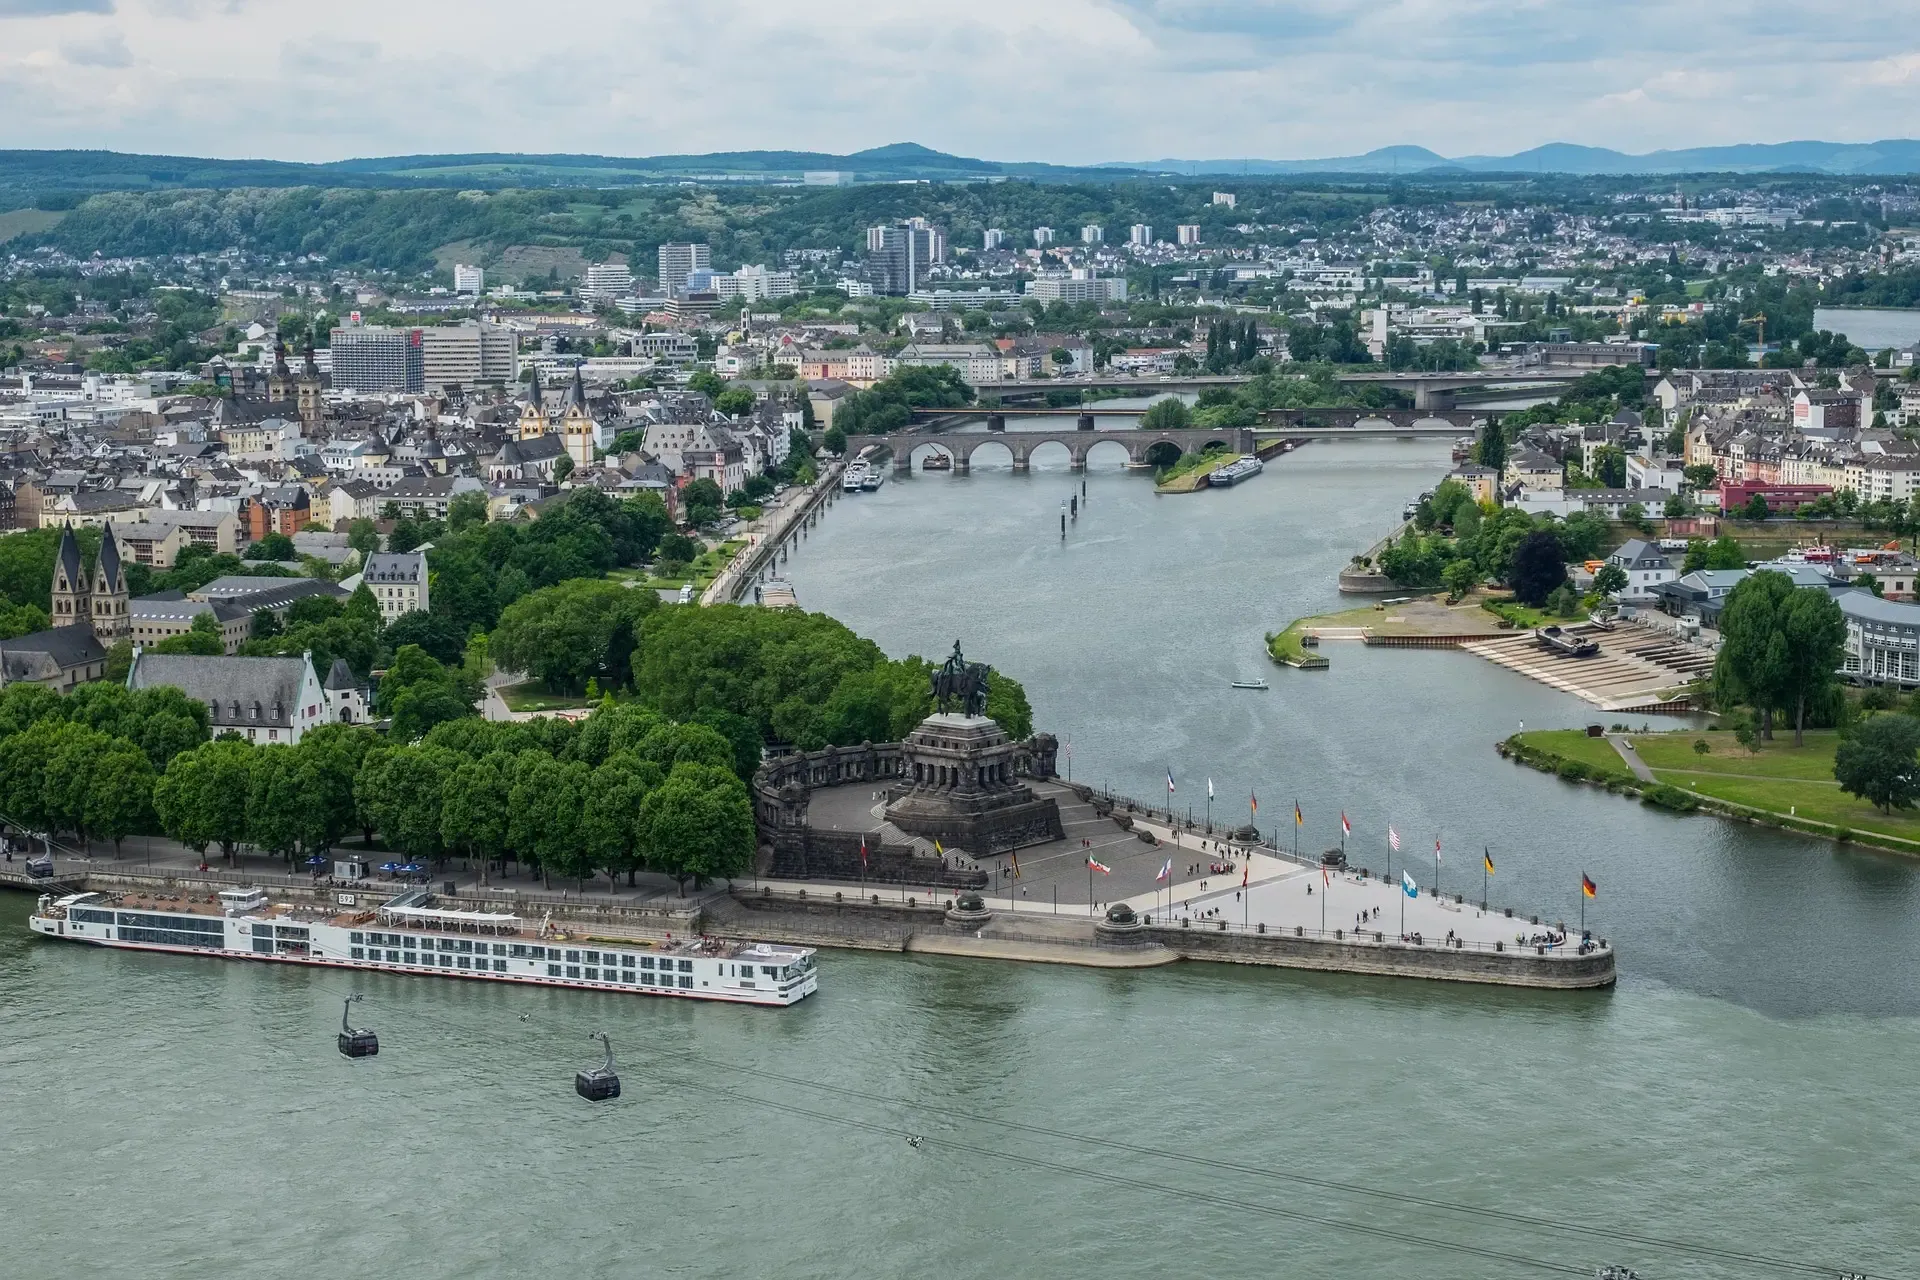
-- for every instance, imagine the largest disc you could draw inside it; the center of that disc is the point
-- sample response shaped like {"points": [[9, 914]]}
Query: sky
{"points": [[1068, 81]]}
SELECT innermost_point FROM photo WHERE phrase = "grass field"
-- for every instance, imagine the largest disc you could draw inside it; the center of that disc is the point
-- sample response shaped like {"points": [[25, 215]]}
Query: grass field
{"points": [[20, 222], [532, 696], [1574, 744], [1795, 784]]}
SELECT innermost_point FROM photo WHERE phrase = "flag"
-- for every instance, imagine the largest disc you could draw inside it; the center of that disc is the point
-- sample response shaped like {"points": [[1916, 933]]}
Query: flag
{"points": [[1436, 848], [1346, 828], [1169, 781], [1297, 819], [1166, 872], [863, 851], [1253, 802], [1209, 788], [1246, 869], [1101, 867], [1014, 858], [1487, 857], [1326, 880], [936, 847], [1407, 886], [1393, 839], [1588, 887]]}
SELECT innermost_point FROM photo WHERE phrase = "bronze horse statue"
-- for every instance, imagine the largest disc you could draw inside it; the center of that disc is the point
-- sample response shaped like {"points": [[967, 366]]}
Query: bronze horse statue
{"points": [[958, 680]]}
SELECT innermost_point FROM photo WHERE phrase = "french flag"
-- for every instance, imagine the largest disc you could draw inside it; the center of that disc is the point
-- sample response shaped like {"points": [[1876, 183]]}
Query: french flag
{"points": [[1166, 872], [1169, 781]]}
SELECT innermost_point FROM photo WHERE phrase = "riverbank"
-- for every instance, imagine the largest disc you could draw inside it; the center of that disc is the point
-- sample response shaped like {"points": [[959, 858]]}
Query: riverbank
{"points": [[1194, 478], [1415, 621], [1777, 785]]}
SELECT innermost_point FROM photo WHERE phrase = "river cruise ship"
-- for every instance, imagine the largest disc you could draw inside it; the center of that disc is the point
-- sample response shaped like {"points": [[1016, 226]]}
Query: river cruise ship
{"points": [[408, 934]]}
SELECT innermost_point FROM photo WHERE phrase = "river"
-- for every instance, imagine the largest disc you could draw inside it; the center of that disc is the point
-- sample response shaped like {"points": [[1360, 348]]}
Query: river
{"points": [[1747, 1086], [1873, 329]]}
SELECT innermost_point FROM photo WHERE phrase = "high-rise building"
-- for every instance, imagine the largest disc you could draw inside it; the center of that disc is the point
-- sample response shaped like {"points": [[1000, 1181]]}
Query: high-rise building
{"points": [[1092, 233], [607, 280], [468, 279], [678, 261], [754, 282], [468, 355], [1189, 233], [899, 256], [1042, 236], [1141, 234], [371, 359], [992, 238], [1225, 199], [1080, 286]]}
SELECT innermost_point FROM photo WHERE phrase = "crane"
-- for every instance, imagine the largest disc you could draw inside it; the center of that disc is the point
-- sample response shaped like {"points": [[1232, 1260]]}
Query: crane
{"points": [[1760, 323]]}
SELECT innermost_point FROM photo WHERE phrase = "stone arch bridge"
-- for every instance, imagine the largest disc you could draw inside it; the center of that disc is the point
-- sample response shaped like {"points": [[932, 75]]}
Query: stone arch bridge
{"points": [[1143, 447]]}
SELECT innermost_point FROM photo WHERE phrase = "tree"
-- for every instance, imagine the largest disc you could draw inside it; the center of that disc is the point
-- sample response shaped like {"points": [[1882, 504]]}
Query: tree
{"points": [[610, 817], [1460, 577], [561, 635], [1609, 579], [735, 402], [834, 441], [1491, 448], [1538, 569], [1168, 414], [474, 813], [120, 793], [364, 536], [202, 797], [439, 636], [1701, 475], [697, 825], [466, 510], [1815, 634], [562, 468], [1752, 663], [1877, 762], [1756, 508], [275, 546]]}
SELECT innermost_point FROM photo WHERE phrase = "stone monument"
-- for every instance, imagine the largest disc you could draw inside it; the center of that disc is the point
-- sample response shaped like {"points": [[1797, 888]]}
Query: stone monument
{"points": [[958, 778]]}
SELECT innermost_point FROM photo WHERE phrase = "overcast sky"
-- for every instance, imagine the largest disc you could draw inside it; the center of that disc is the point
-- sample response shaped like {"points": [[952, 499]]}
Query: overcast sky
{"points": [[1060, 80]]}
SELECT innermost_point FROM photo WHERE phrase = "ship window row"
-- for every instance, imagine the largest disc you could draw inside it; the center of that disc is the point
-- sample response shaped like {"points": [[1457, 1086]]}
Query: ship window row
{"points": [[89, 915], [216, 929], [519, 951], [170, 937]]}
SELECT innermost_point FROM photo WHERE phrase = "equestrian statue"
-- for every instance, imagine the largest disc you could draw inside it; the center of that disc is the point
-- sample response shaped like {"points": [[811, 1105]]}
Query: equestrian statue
{"points": [[962, 682]]}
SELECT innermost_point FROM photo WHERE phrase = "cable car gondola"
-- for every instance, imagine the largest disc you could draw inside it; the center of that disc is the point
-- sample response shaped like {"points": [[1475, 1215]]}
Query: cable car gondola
{"points": [[596, 1084], [356, 1044]]}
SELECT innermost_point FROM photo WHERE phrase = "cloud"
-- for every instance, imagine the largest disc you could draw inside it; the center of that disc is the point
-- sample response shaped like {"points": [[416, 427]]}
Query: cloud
{"points": [[108, 51], [44, 8], [1061, 80]]}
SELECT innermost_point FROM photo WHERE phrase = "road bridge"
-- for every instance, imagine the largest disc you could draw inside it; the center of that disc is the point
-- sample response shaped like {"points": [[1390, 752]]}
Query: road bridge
{"points": [[1143, 448]]}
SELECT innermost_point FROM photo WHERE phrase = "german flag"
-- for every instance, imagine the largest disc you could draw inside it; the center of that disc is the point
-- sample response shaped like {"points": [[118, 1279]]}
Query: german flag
{"points": [[1487, 857], [1587, 886], [1297, 819]]}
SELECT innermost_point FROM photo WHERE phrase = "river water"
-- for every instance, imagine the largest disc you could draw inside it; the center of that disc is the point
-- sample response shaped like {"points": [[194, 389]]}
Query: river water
{"points": [[1873, 329], [1746, 1087]]}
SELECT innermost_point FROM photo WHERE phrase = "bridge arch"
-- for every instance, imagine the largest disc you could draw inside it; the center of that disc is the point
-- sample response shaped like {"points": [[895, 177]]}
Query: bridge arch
{"points": [[1046, 452], [990, 450], [918, 451], [1163, 452], [1097, 453]]}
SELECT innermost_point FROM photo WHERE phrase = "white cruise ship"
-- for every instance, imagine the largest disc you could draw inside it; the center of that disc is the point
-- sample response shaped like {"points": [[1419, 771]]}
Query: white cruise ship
{"points": [[854, 478], [409, 935]]}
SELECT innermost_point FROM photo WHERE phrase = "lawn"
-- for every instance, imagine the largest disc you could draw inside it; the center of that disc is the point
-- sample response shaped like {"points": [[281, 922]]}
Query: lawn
{"points": [[1776, 759], [1190, 473], [1574, 744], [533, 696], [1794, 782], [1286, 646], [701, 573]]}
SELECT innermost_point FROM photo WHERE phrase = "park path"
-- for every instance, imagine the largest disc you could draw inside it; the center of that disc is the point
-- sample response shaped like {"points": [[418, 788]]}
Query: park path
{"points": [[1632, 757]]}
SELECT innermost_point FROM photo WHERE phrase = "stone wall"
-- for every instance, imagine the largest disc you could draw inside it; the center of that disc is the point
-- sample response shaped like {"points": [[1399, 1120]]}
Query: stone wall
{"points": [[1515, 967]]}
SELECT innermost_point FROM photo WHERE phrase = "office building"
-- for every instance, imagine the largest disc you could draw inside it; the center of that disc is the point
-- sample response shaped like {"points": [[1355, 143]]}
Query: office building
{"points": [[1080, 286], [899, 256], [1189, 233], [753, 283], [1092, 234], [469, 355], [1225, 199], [1140, 234], [369, 359], [607, 280], [678, 261], [1042, 237], [992, 238], [469, 280]]}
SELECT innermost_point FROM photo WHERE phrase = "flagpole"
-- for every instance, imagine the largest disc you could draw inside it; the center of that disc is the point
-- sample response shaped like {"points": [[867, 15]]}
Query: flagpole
{"points": [[1486, 856]]}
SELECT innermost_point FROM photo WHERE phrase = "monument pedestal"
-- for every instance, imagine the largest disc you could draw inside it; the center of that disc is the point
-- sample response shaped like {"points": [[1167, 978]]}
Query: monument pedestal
{"points": [[961, 789]]}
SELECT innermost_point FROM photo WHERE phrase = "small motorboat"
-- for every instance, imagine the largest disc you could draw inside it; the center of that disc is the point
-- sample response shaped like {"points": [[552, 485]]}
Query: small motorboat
{"points": [[1251, 684]]}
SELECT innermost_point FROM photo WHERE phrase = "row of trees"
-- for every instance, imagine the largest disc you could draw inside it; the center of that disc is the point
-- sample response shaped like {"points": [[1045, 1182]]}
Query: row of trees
{"points": [[1780, 646]]}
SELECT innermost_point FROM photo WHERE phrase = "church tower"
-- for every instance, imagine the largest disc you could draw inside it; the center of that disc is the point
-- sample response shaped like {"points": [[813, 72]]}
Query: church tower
{"points": [[307, 393], [109, 602], [72, 601], [533, 414], [280, 385], [577, 423]]}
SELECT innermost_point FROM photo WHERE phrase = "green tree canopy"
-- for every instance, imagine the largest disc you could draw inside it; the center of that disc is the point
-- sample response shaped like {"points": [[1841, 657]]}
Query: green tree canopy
{"points": [[1877, 762]]}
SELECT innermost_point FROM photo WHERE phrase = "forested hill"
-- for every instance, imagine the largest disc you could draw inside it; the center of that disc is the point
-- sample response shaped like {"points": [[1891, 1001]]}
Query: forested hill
{"points": [[399, 230]]}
